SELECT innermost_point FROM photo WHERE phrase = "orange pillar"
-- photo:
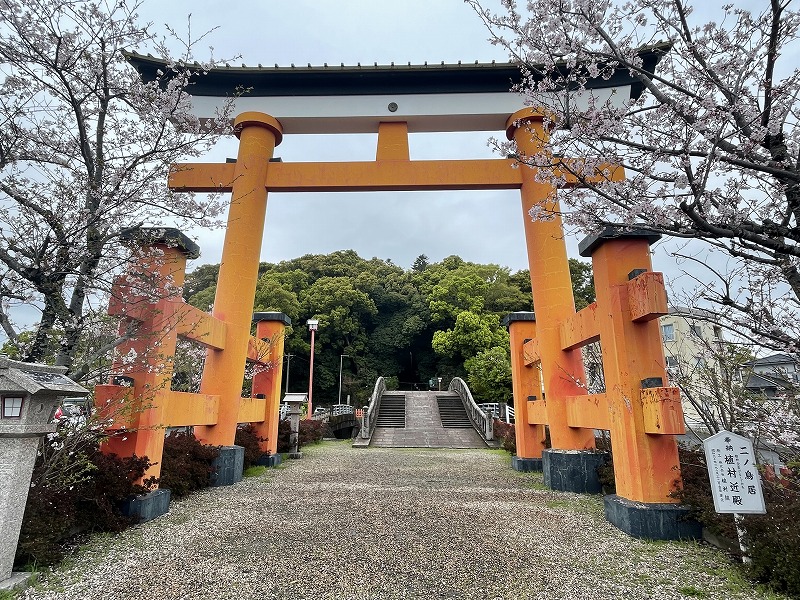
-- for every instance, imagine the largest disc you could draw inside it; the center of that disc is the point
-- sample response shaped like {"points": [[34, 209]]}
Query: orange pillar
{"points": [[645, 465], [238, 272], [270, 326], [527, 385], [551, 284], [147, 295]]}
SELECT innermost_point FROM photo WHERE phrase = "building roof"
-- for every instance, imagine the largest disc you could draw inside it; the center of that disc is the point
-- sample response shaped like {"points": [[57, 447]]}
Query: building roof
{"points": [[760, 381], [772, 360], [349, 80], [356, 99]]}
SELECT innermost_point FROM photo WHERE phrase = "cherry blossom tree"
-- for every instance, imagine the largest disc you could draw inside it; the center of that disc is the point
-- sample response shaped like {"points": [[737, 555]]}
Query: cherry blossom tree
{"points": [[85, 146], [711, 149]]}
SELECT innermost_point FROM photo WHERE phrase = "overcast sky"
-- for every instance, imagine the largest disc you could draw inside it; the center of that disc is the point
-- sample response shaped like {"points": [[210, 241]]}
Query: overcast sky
{"points": [[484, 227]]}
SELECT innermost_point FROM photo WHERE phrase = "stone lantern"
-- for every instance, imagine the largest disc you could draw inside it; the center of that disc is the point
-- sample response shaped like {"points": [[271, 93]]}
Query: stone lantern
{"points": [[29, 396], [295, 401]]}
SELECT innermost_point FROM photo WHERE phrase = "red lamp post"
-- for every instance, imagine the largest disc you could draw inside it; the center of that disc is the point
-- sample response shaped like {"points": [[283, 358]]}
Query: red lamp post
{"points": [[313, 324]]}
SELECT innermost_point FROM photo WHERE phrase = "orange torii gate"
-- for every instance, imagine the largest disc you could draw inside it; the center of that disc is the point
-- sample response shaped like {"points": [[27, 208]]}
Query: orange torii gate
{"points": [[549, 345]]}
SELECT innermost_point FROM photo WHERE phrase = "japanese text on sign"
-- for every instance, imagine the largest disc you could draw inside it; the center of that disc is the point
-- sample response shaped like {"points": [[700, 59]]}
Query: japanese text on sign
{"points": [[735, 482]]}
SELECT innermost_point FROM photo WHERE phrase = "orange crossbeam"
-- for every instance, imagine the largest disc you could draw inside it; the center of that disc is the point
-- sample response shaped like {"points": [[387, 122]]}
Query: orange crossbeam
{"points": [[371, 176], [395, 175], [662, 411], [537, 412], [647, 297], [258, 350], [182, 409], [530, 353], [201, 327], [252, 410], [590, 411], [201, 177], [580, 329]]}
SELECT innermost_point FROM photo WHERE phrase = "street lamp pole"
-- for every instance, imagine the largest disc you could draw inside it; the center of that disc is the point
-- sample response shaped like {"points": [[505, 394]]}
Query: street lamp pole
{"points": [[341, 356], [313, 324], [288, 362]]}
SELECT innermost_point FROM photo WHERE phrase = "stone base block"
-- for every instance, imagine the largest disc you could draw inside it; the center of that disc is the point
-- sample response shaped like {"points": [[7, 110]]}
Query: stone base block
{"points": [[295, 455], [228, 466], [651, 521], [147, 507], [269, 460], [573, 470], [526, 465], [17, 581]]}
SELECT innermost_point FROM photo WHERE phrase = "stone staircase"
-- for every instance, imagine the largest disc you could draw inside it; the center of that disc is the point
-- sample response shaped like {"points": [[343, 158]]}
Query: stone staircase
{"points": [[393, 410], [423, 422], [452, 413]]}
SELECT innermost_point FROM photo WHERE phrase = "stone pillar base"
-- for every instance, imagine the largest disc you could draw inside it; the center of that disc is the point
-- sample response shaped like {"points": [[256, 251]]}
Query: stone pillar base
{"points": [[573, 470], [269, 460], [295, 455], [18, 581], [228, 466], [147, 507], [651, 521], [526, 465]]}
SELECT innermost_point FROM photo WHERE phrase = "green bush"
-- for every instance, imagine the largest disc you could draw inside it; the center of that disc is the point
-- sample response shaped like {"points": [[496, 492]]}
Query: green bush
{"points": [[247, 437], [186, 465]]}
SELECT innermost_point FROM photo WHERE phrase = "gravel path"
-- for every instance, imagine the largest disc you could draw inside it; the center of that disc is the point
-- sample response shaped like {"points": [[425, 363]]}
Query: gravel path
{"points": [[380, 523]]}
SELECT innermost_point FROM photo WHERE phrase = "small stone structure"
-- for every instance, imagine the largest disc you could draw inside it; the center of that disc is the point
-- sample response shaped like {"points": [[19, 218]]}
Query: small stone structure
{"points": [[29, 396], [295, 401]]}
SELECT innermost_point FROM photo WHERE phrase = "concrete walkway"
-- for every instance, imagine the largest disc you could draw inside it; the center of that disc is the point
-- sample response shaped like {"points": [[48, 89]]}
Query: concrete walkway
{"points": [[375, 523], [424, 428]]}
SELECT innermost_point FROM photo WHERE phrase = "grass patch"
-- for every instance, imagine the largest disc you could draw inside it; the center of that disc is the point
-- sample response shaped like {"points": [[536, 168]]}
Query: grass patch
{"points": [[693, 592], [255, 471]]}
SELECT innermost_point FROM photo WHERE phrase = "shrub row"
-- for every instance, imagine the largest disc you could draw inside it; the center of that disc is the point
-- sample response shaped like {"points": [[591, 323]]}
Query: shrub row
{"points": [[311, 432], [54, 512], [186, 464]]}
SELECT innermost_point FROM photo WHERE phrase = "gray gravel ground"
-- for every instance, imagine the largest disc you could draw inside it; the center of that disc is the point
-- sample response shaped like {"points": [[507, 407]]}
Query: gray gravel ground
{"points": [[381, 523]]}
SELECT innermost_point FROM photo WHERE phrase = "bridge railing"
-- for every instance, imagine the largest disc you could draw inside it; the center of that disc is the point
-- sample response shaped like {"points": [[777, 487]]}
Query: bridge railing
{"points": [[371, 414], [341, 409], [483, 422]]}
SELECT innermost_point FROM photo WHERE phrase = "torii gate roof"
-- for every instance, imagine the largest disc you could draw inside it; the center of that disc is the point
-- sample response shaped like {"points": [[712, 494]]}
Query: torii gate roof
{"points": [[355, 99]]}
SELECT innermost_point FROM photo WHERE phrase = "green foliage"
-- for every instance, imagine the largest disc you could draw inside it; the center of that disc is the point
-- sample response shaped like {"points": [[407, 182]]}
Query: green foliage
{"points": [[256, 471], [186, 464], [473, 333], [489, 375], [411, 325], [582, 282]]}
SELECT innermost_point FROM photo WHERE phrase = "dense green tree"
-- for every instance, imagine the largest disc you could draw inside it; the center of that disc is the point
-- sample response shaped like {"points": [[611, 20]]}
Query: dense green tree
{"points": [[489, 375], [433, 320], [473, 333]]}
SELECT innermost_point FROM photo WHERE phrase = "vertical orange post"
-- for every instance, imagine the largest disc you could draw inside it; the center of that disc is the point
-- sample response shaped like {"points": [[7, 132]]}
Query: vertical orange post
{"points": [[526, 385], [146, 295], [551, 284], [645, 465], [270, 326], [238, 272]]}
